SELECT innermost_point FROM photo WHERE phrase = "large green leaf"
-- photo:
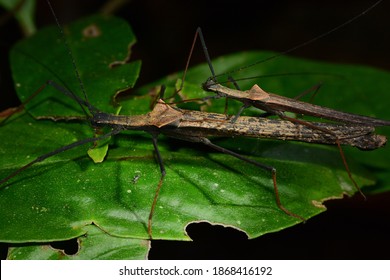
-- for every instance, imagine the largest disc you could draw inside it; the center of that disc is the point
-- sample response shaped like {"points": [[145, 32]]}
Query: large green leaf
{"points": [[59, 198]]}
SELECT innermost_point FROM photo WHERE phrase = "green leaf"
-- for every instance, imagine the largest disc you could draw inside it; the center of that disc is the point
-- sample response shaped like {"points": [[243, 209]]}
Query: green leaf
{"points": [[60, 197], [97, 154]]}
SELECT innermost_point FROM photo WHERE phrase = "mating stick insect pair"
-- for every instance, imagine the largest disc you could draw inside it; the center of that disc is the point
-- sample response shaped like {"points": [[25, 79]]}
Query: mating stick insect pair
{"points": [[194, 126]]}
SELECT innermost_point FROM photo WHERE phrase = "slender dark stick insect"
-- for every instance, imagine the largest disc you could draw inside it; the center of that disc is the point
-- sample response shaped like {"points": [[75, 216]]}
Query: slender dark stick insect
{"points": [[197, 126], [274, 104], [180, 123], [277, 105]]}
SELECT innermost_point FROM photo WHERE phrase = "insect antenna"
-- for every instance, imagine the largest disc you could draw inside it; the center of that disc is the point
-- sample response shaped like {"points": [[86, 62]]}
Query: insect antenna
{"points": [[308, 42], [77, 74]]}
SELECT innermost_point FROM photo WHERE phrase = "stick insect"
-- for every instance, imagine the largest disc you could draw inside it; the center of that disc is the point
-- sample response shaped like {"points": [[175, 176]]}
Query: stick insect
{"points": [[274, 104], [188, 126]]}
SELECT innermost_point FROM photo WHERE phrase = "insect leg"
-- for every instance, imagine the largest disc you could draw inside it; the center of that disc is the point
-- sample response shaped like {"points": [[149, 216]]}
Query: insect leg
{"points": [[163, 172], [314, 127], [60, 150], [271, 169], [314, 90]]}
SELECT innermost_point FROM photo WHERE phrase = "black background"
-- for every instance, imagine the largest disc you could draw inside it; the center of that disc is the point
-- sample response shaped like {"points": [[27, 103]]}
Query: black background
{"points": [[352, 228]]}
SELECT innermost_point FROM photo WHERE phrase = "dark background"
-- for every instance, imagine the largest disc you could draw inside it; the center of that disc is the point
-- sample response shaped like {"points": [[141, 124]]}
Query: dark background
{"points": [[352, 228]]}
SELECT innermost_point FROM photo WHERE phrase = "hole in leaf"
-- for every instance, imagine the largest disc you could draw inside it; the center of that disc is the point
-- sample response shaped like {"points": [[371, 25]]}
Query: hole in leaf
{"points": [[209, 242], [3, 251], [69, 247], [203, 232]]}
